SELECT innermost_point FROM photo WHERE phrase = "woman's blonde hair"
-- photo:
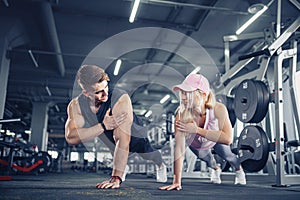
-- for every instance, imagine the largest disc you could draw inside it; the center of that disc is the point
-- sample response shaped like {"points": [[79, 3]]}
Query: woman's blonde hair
{"points": [[185, 113], [211, 100]]}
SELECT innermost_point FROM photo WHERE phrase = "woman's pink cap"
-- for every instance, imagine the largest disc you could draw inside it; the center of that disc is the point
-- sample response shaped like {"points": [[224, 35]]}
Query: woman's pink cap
{"points": [[193, 82]]}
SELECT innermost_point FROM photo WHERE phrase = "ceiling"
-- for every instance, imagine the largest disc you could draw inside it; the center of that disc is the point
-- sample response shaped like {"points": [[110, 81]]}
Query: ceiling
{"points": [[49, 40]]}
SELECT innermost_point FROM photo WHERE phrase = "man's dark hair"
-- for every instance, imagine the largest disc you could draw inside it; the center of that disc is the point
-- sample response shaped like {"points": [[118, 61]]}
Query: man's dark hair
{"points": [[89, 75]]}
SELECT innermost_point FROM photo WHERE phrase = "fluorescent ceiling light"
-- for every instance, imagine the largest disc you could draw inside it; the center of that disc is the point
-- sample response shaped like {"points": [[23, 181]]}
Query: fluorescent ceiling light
{"points": [[48, 90], [117, 67], [6, 3], [251, 20], [196, 70], [148, 113], [256, 7], [139, 111], [174, 101], [164, 99], [33, 58], [57, 108], [134, 10]]}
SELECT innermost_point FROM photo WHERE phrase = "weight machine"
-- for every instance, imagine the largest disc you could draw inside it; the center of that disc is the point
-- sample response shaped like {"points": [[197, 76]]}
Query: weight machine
{"points": [[281, 178], [227, 82], [37, 162]]}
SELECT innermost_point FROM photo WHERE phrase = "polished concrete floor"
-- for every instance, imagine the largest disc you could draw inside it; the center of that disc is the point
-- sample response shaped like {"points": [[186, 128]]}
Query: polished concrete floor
{"points": [[81, 185]]}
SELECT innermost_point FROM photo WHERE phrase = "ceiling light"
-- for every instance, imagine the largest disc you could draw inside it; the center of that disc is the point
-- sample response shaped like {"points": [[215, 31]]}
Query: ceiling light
{"points": [[117, 67], [174, 101], [164, 99], [139, 111], [196, 70], [9, 120], [148, 113], [134, 10], [48, 90], [33, 58], [57, 108], [6, 3], [255, 6], [251, 20]]}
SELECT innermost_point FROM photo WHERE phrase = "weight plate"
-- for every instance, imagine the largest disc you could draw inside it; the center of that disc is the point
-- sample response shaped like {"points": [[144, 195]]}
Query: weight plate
{"points": [[253, 148], [251, 101], [258, 116], [45, 157], [263, 109], [245, 101]]}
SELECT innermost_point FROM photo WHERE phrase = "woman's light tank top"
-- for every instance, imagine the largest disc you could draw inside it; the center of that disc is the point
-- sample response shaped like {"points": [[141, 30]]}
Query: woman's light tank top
{"points": [[198, 142]]}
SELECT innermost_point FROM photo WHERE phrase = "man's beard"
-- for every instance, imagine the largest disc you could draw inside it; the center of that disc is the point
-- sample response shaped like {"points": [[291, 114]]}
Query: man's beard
{"points": [[97, 103]]}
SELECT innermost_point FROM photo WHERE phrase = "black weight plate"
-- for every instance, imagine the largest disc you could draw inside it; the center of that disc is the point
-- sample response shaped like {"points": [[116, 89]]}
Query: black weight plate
{"points": [[245, 101], [266, 100], [46, 158], [262, 106], [258, 116], [249, 144], [256, 139]]}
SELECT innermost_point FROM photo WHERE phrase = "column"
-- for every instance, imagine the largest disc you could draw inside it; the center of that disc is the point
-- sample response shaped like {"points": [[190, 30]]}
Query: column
{"points": [[39, 124]]}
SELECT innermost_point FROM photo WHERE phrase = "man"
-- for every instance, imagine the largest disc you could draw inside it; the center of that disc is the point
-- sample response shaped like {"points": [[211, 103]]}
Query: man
{"points": [[100, 112]]}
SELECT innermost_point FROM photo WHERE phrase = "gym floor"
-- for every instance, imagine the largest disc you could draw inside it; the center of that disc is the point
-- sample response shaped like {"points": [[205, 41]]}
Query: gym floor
{"points": [[81, 185]]}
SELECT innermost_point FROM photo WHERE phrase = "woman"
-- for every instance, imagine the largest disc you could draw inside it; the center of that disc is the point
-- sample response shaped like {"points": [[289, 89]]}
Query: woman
{"points": [[202, 124]]}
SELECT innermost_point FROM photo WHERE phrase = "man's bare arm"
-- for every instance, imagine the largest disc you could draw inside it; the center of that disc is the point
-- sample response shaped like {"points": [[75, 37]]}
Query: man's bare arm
{"points": [[122, 137], [74, 131]]}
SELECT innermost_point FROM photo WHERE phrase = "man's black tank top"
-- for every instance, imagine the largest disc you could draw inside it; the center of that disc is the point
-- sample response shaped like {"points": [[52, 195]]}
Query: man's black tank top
{"points": [[138, 132]]}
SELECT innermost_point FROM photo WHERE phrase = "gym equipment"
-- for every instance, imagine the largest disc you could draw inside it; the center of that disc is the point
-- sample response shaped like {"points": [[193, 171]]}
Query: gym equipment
{"points": [[36, 162], [281, 178], [170, 121], [292, 157], [253, 148], [251, 101], [266, 51], [8, 177], [44, 158]]}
